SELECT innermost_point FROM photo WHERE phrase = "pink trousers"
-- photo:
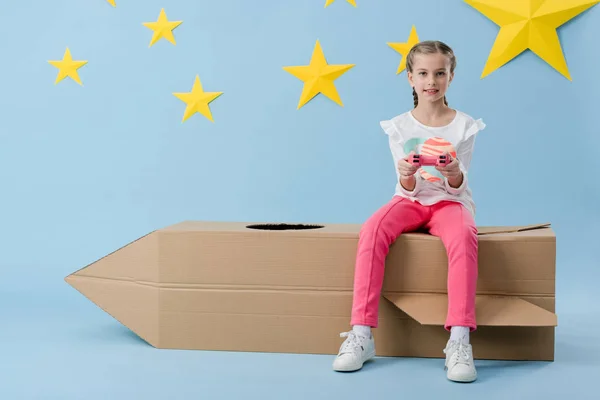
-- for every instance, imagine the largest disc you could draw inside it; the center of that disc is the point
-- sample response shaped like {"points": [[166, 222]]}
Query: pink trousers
{"points": [[449, 221]]}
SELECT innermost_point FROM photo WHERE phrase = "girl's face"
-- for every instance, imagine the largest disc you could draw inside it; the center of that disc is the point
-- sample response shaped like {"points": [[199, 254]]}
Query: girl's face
{"points": [[430, 77]]}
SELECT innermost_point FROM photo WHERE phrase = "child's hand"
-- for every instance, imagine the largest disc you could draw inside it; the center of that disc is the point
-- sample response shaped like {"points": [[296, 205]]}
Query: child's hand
{"points": [[451, 170], [405, 168]]}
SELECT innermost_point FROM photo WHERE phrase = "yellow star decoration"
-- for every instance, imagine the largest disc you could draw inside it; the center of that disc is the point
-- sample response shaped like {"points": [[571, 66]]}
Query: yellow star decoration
{"points": [[163, 28], [404, 48], [67, 67], [529, 24], [318, 77], [330, 2], [197, 100], [112, 2]]}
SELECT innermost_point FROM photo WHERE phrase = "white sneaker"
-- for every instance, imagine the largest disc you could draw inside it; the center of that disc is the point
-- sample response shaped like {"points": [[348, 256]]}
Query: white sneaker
{"points": [[459, 362], [354, 352]]}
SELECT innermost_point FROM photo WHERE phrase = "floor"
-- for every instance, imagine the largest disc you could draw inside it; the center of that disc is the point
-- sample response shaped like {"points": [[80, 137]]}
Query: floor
{"points": [[57, 345]]}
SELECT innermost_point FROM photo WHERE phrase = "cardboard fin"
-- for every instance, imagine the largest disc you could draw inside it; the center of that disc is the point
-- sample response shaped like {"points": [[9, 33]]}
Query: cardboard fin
{"points": [[133, 305], [431, 309], [488, 230]]}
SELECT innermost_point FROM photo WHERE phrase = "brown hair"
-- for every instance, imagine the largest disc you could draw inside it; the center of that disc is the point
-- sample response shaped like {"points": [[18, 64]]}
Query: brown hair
{"points": [[429, 47]]}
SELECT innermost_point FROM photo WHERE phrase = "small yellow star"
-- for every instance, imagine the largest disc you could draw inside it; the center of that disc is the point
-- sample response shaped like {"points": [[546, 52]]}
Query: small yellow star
{"points": [[529, 24], [318, 77], [404, 48], [330, 2], [197, 100], [112, 2], [163, 28], [67, 67]]}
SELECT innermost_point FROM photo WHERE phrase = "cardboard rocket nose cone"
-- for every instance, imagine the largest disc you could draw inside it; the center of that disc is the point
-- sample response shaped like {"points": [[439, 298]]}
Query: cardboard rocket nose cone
{"points": [[289, 288], [125, 285]]}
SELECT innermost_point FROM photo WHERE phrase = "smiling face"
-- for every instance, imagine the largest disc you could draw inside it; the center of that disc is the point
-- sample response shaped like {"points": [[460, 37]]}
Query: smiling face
{"points": [[430, 76]]}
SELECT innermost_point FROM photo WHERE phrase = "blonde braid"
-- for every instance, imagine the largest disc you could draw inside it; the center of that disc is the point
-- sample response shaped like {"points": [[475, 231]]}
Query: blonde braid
{"points": [[415, 98]]}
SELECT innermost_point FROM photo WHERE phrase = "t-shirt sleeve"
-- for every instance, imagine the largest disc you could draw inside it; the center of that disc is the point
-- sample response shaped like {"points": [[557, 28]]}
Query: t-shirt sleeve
{"points": [[467, 145], [464, 154], [395, 141], [390, 129]]}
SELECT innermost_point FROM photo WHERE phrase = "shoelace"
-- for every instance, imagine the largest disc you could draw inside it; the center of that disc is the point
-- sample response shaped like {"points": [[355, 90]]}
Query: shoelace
{"points": [[352, 342], [461, 354]]}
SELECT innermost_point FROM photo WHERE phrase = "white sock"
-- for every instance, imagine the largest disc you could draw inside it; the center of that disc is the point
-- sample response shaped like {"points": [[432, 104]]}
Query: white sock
{"points": [[362, 330], [460, 333]]}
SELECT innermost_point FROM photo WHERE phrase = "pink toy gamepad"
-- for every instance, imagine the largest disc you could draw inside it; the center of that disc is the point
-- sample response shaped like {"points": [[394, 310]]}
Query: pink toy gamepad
{"points": [[424, 160]]}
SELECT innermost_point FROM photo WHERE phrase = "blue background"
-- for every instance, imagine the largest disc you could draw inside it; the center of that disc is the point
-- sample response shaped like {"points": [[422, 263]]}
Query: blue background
{"points": [[85, 170]]}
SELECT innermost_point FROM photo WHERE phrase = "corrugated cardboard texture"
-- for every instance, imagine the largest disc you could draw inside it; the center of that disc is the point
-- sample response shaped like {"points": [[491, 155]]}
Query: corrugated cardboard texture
{"points": [[227, 286]]}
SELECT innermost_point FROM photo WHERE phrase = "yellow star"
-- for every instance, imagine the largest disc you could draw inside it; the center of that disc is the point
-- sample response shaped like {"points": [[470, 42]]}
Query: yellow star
{"points": [[318, 77], [404, 48], [197, 100], [67, 67], [330, 2], [163, 28], [112, 2], [529, 24]]}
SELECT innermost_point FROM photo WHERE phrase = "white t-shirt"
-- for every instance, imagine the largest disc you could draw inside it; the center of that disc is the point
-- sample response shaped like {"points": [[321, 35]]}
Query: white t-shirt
{"points": [[407, 134]]}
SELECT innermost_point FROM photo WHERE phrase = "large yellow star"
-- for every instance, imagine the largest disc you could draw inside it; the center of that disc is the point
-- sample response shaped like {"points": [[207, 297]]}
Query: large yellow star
{"points": [[67, 68], [112, 2], [404, 48], [529, 24], [163, 28], [330, 2], [197, 100], [318, 77]]}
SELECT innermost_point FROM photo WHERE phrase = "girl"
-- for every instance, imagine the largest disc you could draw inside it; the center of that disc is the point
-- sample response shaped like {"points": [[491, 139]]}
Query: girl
{"points": [[436, 198]]}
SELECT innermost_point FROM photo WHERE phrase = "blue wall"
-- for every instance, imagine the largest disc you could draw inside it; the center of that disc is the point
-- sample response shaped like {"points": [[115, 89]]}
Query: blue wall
{"points": [[85, 170]]}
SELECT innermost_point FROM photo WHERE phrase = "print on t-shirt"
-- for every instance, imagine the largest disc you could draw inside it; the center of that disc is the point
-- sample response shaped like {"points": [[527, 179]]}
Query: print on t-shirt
{"points": [[433, 146]]}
